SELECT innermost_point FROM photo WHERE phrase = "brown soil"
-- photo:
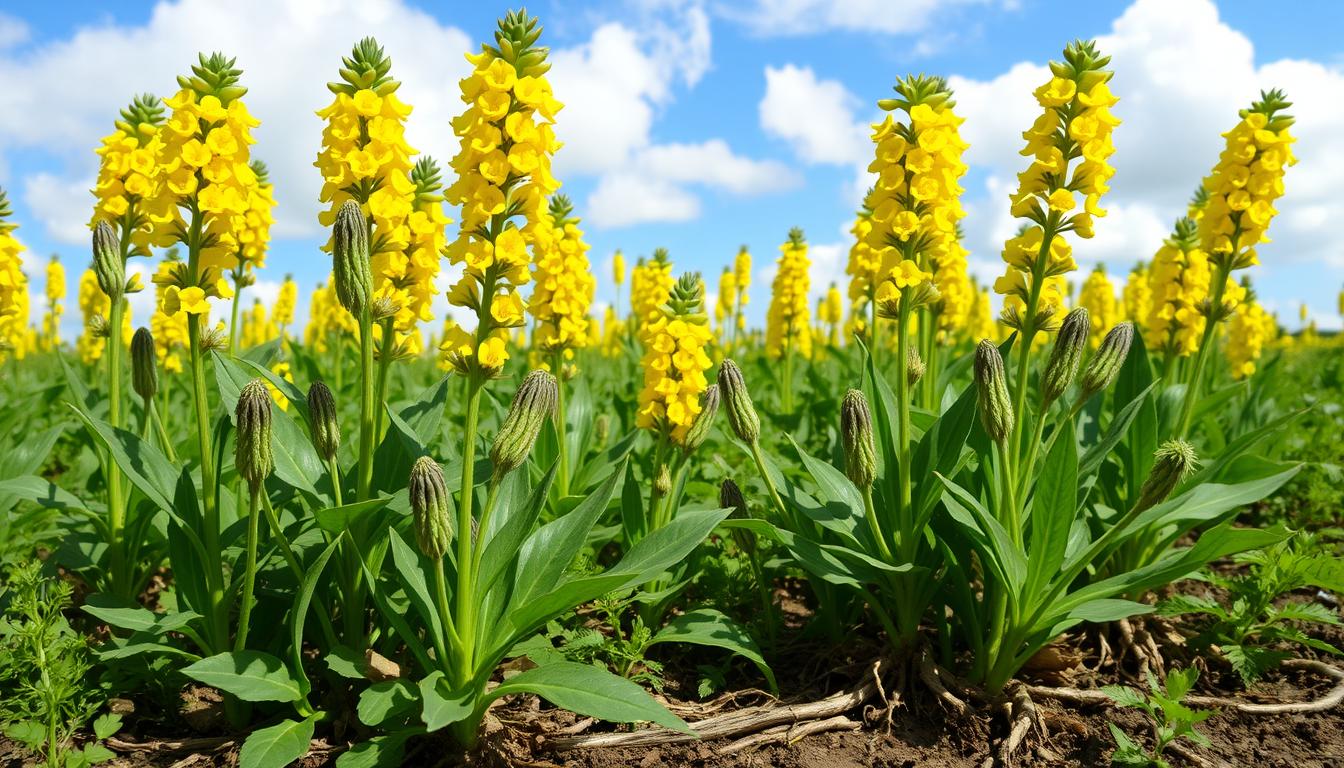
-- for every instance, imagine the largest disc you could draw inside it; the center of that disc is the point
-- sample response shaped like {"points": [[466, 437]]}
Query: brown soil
{"points": [[919, 733]]}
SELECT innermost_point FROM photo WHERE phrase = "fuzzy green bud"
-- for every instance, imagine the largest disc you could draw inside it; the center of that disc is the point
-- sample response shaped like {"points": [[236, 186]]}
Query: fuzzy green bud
{"points": [[107, 264], [856, 434], [730, 497], [1066, 356], [704, 420], [1172, 463], [741, 413], [996, 406], [430, 508], [662, 481], [252, 449], [322, 421], [350, 259], [144, 365], [533, 404], [1109, 358], [914, 366]]}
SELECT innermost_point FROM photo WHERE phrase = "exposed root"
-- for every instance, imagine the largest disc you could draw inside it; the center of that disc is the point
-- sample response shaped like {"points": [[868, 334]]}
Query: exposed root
{"points": [[750, 720], [1329, 701], [929, 673], [789, 734], [1104, 653], [889, 703], [203, 744], [1024, 717]]}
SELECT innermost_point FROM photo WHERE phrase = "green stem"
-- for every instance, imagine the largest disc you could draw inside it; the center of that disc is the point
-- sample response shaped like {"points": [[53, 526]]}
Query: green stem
{"points": [[366, 415], [384, 367], [295, 566], [786, 388], [209, 500], [233, 311], [165, 442], [1194, 384], [116, 502], [870, 514], [465, 515], [250, 572], [561, 425], [446, 617]]}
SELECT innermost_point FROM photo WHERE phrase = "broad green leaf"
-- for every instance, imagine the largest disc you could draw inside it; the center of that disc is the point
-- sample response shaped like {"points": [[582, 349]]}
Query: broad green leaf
{"points": [[441, 706], [411, 569], [277, 746], [940, 450], [249, 675], [298, 613], [841, 507], [346, 662], [296, 463], [1054, 506], [588, 690], [509, 538], [384, 751], [706, 626], [997, 545], [147, 469], [339, 519], [383, 701]]}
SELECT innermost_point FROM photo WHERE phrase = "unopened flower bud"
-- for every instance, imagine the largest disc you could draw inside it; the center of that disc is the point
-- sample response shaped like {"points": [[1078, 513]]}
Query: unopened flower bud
{"points": [[856, 434], [144, 366], [1066, 356], [602, 428], [662, 482], [996, 407], [322, 421], [350, 259], [430, 508], [704, 420], [741, 413], [1172, 463], [252, 449], [730, 497], [914, 366], [1109, 358], [533, 404], [107, 264]]}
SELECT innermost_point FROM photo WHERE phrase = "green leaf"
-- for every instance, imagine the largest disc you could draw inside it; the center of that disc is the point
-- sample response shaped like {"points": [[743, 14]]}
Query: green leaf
{"points": [[298, 613], [383, 701], [1054, 506], [940, 450], [588, 690], [379, 752], [995, 542], [841, 507], [441, 706], [707, 626], [346, 662], [147, 469], [296, 462], [339, 519], [411, 569], [249, 675], [506, 540], [277, 746], [106, 725]]}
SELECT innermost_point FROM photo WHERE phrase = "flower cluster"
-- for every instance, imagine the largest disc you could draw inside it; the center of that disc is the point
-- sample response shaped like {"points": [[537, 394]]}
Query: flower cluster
{"points": [[650, 286], [128, 174], [613, 333], [788, 330], [254, 227], [257, 328], [204, 170], [1076, 124], [980, 322], [915, 203], [1244, 184], [830, 314], [1098, 297], [504, 171], [1178, 281], [55, 293], [1249, 330], [405, 278], [283, 311], [675, 361], [328, 322], [1137, 296], [169, 328], [956, 295], [13, 283], [364, 155], [742, 282], [564, 283]]}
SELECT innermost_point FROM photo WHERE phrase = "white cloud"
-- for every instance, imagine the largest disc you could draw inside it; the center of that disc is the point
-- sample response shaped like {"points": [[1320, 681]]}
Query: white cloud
{"points": [[285, 63], [815, 116], [12, 31], [61, 205], [626, 198], [1182, 74], [810, 17]]}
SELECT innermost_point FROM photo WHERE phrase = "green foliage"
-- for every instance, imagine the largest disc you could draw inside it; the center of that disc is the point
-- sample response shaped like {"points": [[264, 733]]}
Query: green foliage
{"points": [[1169, 717], [45, 689], [1252, 627]]}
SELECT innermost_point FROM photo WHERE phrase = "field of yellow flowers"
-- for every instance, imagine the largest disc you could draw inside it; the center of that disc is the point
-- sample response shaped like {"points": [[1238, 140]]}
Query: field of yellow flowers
{"points": [[1052, 520]]}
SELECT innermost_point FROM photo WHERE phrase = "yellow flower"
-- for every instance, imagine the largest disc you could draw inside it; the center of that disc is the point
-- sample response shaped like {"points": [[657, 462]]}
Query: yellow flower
{"points": [[564, 282], [1248, 332], [788, 326], [1137, 296], [1178, 281], [13, 288], [128, 172], [1098, 296], [650, 285], [283, 311], [675, 362], [618, 269], [1065, 163]]}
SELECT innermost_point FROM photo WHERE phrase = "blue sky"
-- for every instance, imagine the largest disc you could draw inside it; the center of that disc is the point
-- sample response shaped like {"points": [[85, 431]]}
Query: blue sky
{"points": [[701, 126]]}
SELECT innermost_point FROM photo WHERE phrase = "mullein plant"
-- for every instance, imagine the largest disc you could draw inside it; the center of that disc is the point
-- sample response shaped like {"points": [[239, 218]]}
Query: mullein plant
{"points": [[1178, 282], [1250, 330], [1097, 296], [54, 291], [651, 282], [13, 284], [831, 314], [1241, 192], [864, 267], [559, 305], [1137, 296], [788, 328], [285, 301]]}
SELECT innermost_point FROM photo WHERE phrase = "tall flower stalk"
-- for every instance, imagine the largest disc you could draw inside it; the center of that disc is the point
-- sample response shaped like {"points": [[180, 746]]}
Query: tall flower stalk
{"points": [[1241, 192], [788, 329]]}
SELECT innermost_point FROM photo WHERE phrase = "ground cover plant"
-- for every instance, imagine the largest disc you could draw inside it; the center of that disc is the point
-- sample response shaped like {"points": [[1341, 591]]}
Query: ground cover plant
{"points": [[541, 533]]}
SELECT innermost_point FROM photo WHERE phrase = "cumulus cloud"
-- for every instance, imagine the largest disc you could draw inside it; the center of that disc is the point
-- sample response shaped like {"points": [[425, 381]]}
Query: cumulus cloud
{"points": [[810, 17], [815, 116]]}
